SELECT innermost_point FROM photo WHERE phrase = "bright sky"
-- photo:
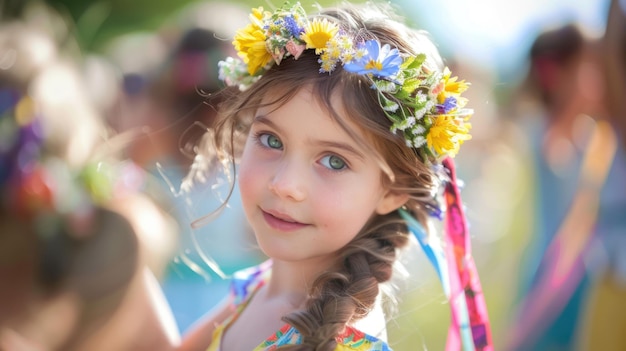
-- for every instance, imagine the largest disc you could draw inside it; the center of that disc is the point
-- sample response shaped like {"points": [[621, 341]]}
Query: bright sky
{"points": [[498, 33]]}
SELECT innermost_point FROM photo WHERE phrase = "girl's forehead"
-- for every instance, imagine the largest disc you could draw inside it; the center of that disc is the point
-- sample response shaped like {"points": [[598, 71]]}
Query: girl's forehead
{"points": [[304, 99], [332, 104]]}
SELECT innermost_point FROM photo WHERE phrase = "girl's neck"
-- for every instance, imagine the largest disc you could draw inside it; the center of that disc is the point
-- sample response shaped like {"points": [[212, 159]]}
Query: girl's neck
{"points": [[295, 278]]}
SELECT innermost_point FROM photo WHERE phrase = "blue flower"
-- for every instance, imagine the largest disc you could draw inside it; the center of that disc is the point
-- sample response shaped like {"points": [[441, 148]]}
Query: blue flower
{"points": [[382, 62], [292, 26]]}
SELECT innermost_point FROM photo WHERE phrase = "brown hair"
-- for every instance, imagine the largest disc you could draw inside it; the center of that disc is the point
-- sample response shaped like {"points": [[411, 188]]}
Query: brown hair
{"points": [[340, 297]]}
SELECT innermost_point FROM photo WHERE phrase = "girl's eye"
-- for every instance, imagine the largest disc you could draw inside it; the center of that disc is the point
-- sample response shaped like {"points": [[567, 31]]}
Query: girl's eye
{"points": [[270, 141], [333, 162]]}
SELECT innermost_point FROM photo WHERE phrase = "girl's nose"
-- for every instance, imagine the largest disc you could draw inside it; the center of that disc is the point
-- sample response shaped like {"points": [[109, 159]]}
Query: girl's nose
{"points": [[289, 181]]}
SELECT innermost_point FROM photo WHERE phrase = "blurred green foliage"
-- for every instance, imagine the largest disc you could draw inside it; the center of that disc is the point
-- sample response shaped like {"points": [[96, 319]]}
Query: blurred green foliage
{"points": [[97, 21]]}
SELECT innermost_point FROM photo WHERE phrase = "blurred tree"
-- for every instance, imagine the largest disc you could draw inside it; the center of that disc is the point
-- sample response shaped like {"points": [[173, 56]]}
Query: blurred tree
{"points": [[97, 21]]}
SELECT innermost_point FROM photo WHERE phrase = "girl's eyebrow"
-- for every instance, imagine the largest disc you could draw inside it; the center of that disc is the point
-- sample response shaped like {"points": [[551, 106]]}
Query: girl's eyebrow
{"points": [[262, 119], [345, 147], [325, 143]]}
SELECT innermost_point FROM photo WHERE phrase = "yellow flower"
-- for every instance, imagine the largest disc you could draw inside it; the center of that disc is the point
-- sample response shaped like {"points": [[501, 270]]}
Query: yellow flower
{"points": [[454, 87], [317, 33], [257, 16], [250, 45], [451, 86], [446, 135]]}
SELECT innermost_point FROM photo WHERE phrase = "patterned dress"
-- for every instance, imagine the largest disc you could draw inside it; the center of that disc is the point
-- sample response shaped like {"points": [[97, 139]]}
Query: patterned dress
{"points": [[246, 282]]}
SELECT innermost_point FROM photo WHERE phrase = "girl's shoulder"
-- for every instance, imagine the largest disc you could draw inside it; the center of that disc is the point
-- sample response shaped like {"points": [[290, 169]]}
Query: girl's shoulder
{"points": [[353, 339]]}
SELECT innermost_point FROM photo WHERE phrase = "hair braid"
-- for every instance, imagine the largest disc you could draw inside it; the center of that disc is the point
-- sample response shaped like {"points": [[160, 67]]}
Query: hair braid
{"points": [[347, 294]]}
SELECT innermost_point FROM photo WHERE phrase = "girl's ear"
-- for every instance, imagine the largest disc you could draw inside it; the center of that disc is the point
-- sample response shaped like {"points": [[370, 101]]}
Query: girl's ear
{"points": [[391, 202]]}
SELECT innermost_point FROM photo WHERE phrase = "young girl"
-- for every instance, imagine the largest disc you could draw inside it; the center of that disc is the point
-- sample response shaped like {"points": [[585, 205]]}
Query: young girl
{"points": [[341, 126]]}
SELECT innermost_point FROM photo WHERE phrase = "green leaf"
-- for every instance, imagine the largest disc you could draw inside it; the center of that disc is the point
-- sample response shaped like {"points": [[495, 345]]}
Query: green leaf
{"points": [[407, 63], [413, 62], [403, 95], [411, 84]]}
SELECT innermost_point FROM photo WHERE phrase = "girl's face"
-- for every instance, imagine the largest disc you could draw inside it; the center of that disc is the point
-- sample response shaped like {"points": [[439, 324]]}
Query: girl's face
{"points": [[307, 187]]}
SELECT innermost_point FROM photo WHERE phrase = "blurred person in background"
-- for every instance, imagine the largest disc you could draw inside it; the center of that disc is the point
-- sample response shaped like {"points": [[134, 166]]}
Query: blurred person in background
{"points": [[80, 241], [165, 109], [579, 171], [615, 62], [605, 315]]}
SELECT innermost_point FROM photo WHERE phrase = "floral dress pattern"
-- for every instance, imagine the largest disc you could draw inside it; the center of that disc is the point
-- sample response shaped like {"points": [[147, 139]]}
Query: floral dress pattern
{"points": [[246, 282]]}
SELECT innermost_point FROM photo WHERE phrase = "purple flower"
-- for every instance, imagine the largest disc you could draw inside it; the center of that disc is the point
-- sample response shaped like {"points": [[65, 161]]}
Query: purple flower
{"points": [[448, 105], [380, 61]]}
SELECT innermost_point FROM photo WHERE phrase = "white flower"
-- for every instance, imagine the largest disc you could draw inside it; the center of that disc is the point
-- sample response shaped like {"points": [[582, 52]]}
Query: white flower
{"points": [[405, 123]]}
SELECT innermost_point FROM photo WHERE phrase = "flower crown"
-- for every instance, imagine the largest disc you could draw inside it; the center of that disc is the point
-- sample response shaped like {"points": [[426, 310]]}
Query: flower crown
{"points": [[424, 105]]}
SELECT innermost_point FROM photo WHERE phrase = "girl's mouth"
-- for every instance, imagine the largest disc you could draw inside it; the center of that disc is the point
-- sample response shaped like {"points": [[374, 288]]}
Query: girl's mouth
{"points": [[282, 222]]}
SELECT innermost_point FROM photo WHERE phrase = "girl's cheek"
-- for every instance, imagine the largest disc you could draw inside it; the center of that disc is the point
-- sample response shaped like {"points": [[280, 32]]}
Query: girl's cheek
{"points": [[250, 176], [247, 160]]}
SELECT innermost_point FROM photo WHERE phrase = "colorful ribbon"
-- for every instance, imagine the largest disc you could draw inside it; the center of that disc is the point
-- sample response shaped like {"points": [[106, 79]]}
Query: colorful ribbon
{"points": [[469, 327], [459, 247]]}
